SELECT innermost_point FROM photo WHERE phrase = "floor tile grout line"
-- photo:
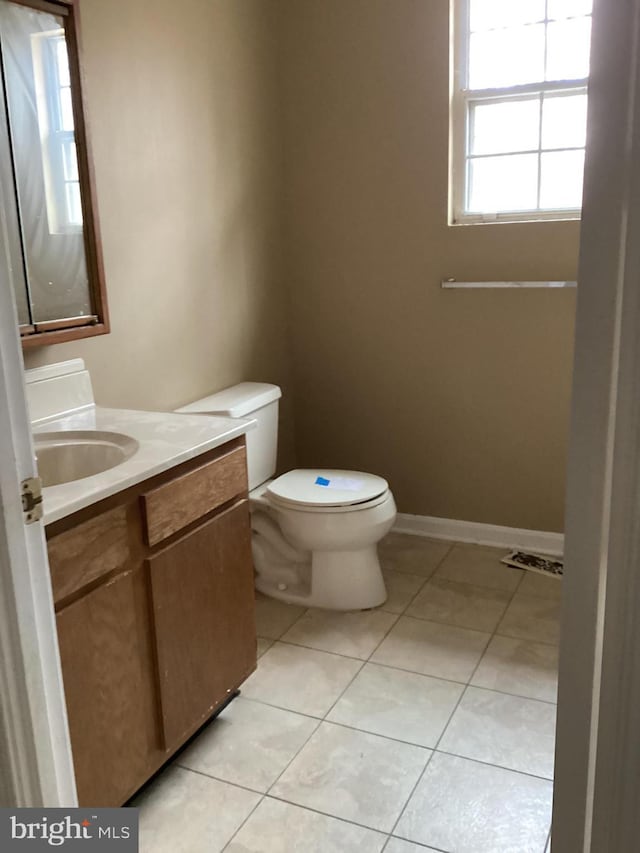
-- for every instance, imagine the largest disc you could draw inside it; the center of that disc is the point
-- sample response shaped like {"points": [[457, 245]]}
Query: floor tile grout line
{"points": [[444, 557], [377, 663], [218, 779], [492, 764], [293, 758], [253, 810], [513, 695], [470, 685], [288, 628], [265, 794], [322, 651], [410, 672], [411, 600], [398, 616], [412, 792], [386, 634], [326, 814], [416, 593], [268, 793], [475, 669], [342, 725], [281, 708], [448, 723], [439, 562], [260, 794], [395, 570], [495, 633], [424, 770], [414, 843], [364, 663], [421, 846], [355, 675]]}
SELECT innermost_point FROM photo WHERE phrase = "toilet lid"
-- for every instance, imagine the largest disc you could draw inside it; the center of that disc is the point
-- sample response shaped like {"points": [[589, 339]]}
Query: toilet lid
{"points": [[325, 488]]}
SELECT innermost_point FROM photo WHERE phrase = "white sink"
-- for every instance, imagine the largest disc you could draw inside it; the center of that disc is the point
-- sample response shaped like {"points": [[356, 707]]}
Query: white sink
{"points": [[74, 454]]}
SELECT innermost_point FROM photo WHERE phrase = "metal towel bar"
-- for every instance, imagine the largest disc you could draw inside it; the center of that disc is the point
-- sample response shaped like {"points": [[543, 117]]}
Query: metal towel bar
{"points": [[452, 283]]}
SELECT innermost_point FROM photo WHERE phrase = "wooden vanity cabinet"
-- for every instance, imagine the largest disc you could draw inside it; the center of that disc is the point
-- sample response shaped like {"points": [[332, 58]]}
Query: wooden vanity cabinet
{"points": [[155, 613]]}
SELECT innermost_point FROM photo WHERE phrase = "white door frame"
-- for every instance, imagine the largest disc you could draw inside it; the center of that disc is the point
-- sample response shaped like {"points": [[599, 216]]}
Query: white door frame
{"points": [[35, 753], [596, 802]]}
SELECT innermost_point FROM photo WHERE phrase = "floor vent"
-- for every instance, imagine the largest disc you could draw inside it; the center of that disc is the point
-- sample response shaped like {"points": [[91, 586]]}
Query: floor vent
{"points": [[535, 563]]}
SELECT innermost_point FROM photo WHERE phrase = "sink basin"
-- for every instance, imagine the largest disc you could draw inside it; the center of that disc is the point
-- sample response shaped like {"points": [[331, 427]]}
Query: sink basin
{"points": [[74, 454]]}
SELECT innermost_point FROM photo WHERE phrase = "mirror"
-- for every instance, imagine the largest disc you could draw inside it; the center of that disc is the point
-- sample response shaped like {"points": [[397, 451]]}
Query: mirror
{"points": [[48, 231]]}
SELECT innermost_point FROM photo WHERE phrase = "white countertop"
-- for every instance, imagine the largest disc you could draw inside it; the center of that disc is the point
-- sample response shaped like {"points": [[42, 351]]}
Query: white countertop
{"points": [[165, 439]]}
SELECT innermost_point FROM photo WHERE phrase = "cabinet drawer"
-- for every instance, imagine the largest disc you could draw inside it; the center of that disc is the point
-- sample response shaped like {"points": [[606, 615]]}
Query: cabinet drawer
{"points": [[88, 551], [176, 504]]}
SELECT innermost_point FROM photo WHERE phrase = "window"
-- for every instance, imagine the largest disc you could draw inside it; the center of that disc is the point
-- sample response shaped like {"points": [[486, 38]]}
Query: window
{"points": [[518, 109], [55, 119]]}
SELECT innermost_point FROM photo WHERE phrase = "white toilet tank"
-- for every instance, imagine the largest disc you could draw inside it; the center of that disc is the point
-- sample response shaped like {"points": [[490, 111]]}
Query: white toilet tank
{"points": [[257, 400]]}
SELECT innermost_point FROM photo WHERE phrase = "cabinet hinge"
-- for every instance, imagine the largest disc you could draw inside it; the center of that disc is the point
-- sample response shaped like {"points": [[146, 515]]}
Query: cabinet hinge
{"points": [[32, 499]]}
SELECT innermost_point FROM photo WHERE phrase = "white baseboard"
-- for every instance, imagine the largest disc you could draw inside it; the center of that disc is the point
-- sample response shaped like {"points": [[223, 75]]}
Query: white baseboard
{"points": [[538, 541]]}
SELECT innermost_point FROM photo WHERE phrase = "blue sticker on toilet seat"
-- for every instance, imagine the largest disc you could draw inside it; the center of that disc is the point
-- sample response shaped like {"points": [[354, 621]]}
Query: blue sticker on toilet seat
{"points": [[321, 481]]}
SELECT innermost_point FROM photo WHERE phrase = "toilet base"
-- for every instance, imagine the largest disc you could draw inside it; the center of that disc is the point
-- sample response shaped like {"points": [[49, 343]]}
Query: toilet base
{"points": [[340, 580]]}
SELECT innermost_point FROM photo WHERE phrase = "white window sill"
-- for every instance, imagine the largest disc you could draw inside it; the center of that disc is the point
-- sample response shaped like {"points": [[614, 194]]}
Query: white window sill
{"points": [[511, 218]]}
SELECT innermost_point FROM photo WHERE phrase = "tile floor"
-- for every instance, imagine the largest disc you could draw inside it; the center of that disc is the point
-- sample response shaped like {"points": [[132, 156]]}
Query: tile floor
{"points": [[426, 724]]}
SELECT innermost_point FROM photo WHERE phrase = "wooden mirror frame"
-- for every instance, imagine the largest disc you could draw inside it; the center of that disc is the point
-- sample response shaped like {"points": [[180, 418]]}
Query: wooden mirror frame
{"points": [[74, 328]]}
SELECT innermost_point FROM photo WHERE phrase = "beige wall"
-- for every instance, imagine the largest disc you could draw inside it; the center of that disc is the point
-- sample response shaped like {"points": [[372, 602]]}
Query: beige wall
{"points": [[181, 105], [460, 399]]}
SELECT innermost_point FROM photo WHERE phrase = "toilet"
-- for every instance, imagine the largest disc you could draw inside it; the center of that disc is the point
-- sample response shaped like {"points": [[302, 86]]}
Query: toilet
{"points": [[314, 531]]}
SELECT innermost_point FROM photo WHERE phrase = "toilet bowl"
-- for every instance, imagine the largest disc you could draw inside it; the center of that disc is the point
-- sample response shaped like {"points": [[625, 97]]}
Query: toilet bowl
{"points": [[320, 549], [314, 531]]}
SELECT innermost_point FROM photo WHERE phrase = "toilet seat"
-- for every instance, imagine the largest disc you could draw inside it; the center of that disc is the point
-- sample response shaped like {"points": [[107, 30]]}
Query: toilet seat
{"points": [[315, 490]]}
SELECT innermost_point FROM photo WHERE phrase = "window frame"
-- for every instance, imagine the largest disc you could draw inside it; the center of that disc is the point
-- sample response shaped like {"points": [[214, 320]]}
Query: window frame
{"points": [[460, 101], [57, 139]]}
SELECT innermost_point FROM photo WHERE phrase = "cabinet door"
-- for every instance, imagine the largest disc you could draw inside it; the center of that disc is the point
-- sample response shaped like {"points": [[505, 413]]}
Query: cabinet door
{"points": [[111, 722], [203, 605]]}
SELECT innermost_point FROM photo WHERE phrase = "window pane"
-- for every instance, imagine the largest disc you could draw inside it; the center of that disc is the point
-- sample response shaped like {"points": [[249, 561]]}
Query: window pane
{"points": [[568, 47], [66, 111], [561, 180], [564, 121], [74, 207], [507, 126], [62, 59], [503, 183], [569, 8], [506, 57], [490, 14], [70, 161]]}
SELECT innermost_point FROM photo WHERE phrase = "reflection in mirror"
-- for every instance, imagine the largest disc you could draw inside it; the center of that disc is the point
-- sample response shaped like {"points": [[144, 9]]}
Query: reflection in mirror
{"points": [[49, 235], [10, 245]]}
